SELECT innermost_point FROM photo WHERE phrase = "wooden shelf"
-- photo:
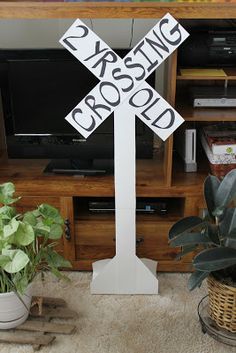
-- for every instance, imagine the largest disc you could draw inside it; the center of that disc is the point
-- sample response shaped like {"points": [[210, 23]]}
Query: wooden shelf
{"points": [[205, 114], [29, 180], [230, 72], [150, 176], [110, 217], [193, 179], [40, 9]]}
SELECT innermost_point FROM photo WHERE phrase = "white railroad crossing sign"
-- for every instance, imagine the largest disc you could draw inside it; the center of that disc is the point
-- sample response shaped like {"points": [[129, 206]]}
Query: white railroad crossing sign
{"points": [[122, 89]]}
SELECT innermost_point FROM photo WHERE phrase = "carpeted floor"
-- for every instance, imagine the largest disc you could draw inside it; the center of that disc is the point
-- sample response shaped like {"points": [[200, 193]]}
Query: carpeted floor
{"points": [[164, 323]]}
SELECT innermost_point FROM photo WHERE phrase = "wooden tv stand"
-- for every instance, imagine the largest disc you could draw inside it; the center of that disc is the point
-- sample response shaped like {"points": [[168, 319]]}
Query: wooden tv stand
{"points": [[90, 236]]}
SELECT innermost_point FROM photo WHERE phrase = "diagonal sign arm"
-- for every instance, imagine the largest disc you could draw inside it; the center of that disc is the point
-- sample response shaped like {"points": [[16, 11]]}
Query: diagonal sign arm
{"points": [[121, 78]]}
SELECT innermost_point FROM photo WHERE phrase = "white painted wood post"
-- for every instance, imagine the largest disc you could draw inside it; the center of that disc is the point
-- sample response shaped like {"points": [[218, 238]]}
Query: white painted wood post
{"points": [[123, 90], [125, 273], [125, 180]]}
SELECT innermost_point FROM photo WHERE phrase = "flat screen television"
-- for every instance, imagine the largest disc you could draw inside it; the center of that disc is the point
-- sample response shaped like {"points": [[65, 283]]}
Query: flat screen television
{"points": [[39, 87]]}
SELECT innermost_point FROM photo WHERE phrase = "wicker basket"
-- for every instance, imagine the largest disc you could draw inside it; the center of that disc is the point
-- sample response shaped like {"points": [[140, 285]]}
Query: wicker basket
{"points": [[222, 304]]}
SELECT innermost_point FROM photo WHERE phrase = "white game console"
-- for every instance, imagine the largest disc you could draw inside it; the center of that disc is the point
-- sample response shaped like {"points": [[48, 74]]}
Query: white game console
{"points": [[186, 141]]}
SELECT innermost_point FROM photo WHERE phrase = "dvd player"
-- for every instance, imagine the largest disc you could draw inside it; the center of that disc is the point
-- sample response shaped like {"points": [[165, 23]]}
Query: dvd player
{"points": [[216, 97], [159, 207]]}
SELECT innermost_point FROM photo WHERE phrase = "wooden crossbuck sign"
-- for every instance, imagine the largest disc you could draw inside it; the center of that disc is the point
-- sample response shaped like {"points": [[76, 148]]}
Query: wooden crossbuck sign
{"points": [[122, 89]]}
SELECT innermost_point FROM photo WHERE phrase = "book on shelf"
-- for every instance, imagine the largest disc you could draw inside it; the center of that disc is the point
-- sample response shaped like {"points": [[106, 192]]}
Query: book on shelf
{"points": [[221, 138], [203, 72], [227, 158]]}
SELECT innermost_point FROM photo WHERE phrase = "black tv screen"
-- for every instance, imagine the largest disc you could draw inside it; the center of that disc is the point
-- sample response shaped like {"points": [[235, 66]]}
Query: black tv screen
{"points": [[39, 88], [44, 92]]}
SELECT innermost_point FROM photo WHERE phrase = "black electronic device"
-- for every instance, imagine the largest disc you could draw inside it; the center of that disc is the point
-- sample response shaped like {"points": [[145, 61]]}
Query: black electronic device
{"points": [[212, 48], [148, 207], [71, 166], [39, 87]]}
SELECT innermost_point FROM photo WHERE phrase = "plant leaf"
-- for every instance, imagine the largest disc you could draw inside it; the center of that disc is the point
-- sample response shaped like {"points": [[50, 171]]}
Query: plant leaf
{"points": [[56, 231], [36, 213], [56, 260], [196, 278], [185, 250], [42, 229], [185, 225], [10, 228], [190, 238], [7, 189], [20, 281], [18, 260], [30, 218], [24, 234], [6, 193], [7, 211], [59, 275], [212, 231], [211, 186], [48, 211], [226, 192], [225, 224], [215, 259], [4, 260], [230, 242], [232, 228], [228, 228]]}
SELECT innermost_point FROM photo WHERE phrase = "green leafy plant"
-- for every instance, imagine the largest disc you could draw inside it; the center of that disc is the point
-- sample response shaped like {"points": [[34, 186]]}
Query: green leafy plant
{"points": [[27, 242], [214, 235]]}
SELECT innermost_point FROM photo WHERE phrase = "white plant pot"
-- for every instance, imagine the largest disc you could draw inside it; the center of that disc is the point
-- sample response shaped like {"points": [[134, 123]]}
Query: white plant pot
{"points": [[12, 311]]}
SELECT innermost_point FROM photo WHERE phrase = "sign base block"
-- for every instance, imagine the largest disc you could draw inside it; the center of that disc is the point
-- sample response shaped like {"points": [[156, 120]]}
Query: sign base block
{"points": [[120, 275]]}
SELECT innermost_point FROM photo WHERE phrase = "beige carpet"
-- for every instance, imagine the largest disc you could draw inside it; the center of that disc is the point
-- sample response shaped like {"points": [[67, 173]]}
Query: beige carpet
{"points": [[164, 323]]}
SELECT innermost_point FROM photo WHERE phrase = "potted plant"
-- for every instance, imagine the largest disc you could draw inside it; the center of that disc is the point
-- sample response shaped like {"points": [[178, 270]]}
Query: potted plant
{"points": [[26, 249], [214, 237]]}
